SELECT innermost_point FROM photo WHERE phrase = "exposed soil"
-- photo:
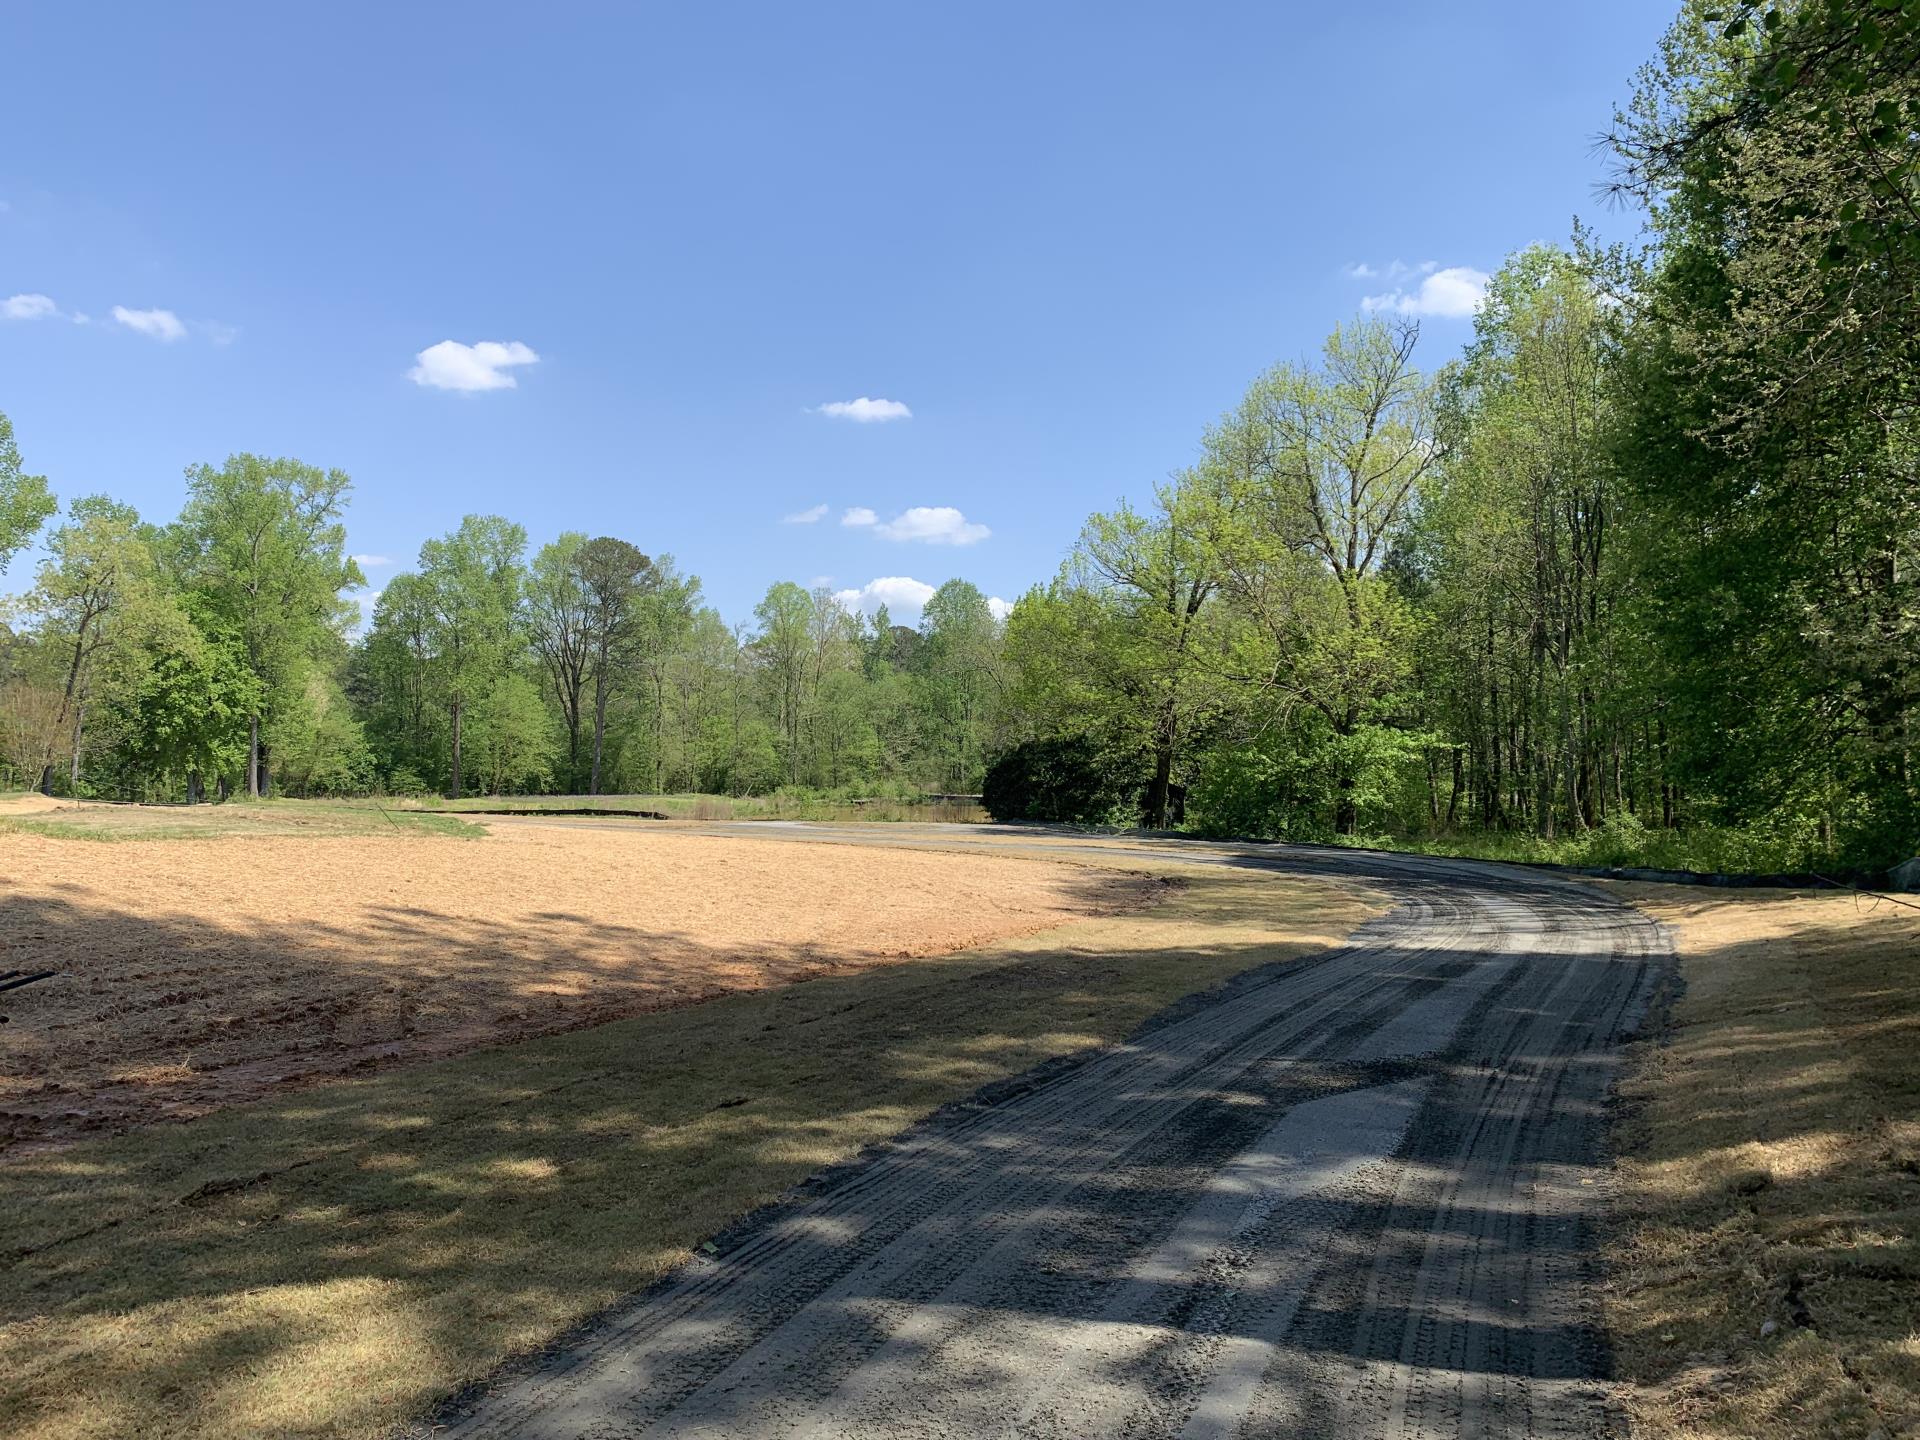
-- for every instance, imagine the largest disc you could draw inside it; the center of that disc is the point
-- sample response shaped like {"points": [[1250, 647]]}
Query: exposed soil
{"points": [[202, 974]]}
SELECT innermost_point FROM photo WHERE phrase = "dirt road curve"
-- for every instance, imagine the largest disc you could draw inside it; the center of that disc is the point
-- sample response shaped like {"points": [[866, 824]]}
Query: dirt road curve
{"points": [[1351, 1198]]}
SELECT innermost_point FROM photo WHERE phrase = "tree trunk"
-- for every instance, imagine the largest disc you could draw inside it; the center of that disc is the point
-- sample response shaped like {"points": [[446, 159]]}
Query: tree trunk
{"points": [[253, 757], [599, 731], [1346, 813], [73, 765], [454, 786], [1157, 790], [194, 791]]}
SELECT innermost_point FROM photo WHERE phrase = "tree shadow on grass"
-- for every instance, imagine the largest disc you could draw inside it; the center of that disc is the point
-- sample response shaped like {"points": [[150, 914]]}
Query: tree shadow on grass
{"points": [[171, 1016], [415, 1225]]}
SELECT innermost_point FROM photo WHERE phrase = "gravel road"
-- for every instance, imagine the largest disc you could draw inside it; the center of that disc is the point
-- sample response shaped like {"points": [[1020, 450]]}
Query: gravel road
{"points": [[1348, 1197]]}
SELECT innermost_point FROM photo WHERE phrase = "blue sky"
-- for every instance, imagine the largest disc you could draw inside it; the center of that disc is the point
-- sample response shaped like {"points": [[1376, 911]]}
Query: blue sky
{"points": [[1063, 237]]}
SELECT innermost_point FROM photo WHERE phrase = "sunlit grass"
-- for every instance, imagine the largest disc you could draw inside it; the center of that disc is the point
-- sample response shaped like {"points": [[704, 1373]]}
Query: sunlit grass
{"points": [[116, 822], [1765, 1275]]}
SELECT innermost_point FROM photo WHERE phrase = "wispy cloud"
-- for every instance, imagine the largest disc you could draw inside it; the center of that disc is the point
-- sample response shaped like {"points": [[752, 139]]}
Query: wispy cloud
{"points": [[1451, 292], [27, 307], [155, 324], [933, 525], [865, 411], [858, 515], [162, 325], [369, 561], [481, 366], [809, 516]]}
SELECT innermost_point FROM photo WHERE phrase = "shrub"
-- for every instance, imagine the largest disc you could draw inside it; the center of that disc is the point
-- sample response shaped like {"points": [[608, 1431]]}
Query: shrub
{"points": [[1068, 779]]}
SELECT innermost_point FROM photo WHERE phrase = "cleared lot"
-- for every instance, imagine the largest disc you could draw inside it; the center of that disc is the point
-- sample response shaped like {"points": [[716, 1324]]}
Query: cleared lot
{"points": [[201, 973], [336, 1260]]}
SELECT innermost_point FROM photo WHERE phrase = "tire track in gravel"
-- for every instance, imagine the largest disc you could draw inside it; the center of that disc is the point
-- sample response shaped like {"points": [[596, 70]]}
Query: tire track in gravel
{"points": [[1353, 1196]]}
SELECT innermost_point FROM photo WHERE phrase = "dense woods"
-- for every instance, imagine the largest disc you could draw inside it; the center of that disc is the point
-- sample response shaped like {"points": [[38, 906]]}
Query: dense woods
{"points": [[1635, 574]]}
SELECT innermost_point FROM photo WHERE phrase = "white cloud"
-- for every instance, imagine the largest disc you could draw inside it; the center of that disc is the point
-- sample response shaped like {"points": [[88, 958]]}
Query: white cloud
{"points": [[899, 593], [858, 515], [1359, 270], [156, 324], [364, 561], [27, 307], [933, 525], [808, 516], [865, 411], [1000, 608], [218, 333], [1452, 293], [482, 366]]}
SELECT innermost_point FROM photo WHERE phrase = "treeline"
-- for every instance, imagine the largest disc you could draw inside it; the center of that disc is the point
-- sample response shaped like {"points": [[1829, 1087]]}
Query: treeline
{"points": [[217, 654], [1640, 564], [595, 668]]}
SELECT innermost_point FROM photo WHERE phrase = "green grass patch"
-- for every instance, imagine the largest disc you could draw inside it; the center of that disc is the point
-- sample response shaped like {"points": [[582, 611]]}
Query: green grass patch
{"points": [[112, 822], [784, 805], [1625, 844]]}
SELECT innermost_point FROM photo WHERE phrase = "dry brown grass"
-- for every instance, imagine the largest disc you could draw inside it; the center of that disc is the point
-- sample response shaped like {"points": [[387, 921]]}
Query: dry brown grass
{"points": [[332, 1262], [199, 975], [1771, 1178]]}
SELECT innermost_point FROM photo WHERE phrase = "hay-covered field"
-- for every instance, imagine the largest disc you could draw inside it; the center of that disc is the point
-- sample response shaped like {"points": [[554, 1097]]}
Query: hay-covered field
{"points": [[198, 974], [1766, 1264], [332, 1260]]}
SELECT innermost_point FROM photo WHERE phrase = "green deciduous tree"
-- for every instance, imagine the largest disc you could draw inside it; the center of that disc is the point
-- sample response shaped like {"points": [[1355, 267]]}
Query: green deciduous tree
{"points": [[1325, 464], [616, 579], [263, 542], [472, 583], [26, 503]]}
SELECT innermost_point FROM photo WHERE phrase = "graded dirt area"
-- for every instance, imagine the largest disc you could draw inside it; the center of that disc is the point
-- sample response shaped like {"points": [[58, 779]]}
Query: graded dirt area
{"points": [[195, 974]]}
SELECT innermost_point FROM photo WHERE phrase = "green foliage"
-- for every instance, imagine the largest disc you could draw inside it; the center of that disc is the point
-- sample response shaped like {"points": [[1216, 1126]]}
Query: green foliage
{"points": [[469, 597], [263, 547], [318, 745], [511, 738], [1068, 779], [1768, 439], [188, 714], [25, 501]]}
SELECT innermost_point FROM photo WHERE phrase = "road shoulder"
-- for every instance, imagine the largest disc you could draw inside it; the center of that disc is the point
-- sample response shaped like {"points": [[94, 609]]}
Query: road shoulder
{"points": [[1765, 1263]]}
